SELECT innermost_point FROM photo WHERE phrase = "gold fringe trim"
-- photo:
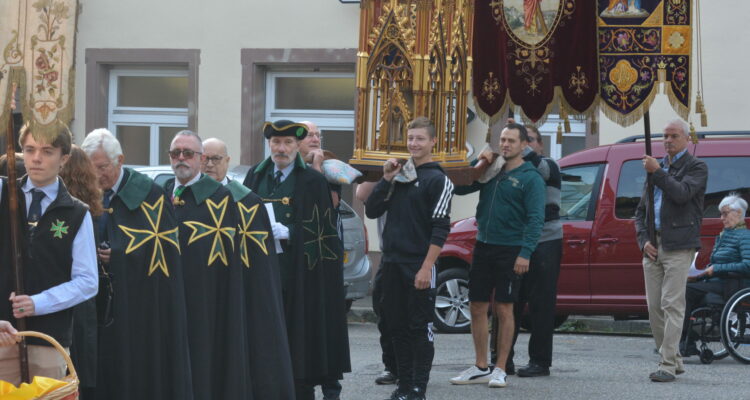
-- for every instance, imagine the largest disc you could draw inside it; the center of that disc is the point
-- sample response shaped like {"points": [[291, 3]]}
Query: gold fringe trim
{"points": [[16, 75], [491, 120], [632, 117]]}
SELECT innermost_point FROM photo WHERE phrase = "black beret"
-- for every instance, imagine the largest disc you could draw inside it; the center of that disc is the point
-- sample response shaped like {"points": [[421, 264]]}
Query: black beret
{"points": [[284, 127]]}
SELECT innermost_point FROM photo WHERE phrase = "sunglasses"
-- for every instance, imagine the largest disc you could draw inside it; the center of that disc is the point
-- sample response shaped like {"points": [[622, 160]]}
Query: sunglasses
{"points": [[188, 154]]}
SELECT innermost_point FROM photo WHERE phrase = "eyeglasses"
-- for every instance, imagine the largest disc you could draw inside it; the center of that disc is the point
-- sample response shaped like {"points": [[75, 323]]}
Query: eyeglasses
{"points": [[188, 154], [213, 159]]}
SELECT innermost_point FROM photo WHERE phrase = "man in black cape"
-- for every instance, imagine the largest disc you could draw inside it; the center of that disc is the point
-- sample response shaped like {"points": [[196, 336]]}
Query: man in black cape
{"points": [[208, 224], [268, 349], [311, 262], [143, 348]]}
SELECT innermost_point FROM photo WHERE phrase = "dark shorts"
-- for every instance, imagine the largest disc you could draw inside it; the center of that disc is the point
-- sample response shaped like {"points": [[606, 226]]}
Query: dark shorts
{"points": [[492, 269]]}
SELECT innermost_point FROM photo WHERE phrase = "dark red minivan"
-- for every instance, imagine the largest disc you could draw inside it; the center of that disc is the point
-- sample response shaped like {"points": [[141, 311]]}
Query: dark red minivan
{"points": [[601, 272]]}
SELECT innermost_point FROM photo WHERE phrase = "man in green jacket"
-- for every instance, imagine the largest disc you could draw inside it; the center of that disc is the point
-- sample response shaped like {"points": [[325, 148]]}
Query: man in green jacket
{"points": [[510, 216]]}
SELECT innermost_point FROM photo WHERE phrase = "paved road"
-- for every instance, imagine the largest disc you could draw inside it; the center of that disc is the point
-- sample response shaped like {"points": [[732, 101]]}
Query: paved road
{"points": [[585, 367]]}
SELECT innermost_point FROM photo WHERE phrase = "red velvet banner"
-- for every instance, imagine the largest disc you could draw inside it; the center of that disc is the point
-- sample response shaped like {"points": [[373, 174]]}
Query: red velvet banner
{"points": [[534, 54]]}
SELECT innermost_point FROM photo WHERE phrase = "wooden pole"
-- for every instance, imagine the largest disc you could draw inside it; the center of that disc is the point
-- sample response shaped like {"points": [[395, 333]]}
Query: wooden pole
{"points": [[15, 234], [650, 216]]}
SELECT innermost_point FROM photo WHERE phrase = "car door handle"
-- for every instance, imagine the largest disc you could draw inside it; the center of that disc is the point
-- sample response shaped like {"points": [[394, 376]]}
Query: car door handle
{"points": [[576, 241], [608, 240]]}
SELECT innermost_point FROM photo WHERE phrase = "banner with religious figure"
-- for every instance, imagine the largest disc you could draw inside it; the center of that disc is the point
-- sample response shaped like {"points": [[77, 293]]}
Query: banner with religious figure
{"points": [[536, 54], [642, 44], [37, 38]]}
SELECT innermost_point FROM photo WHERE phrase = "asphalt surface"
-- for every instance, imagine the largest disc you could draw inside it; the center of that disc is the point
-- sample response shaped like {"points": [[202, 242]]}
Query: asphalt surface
{"points": [[585, 367]]}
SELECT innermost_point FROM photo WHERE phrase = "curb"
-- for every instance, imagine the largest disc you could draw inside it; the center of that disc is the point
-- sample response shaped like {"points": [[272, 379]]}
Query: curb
{"points": [[574, 323]]}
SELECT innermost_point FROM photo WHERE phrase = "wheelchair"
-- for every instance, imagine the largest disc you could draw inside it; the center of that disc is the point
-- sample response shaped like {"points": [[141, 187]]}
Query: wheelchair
{"points": [[735, 326], [705, 327], [721, 327]]}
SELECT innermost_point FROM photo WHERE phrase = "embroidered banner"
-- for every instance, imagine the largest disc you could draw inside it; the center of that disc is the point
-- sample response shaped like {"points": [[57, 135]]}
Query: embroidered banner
{"points": [[535, 54], [643, 43], [38, 42]]}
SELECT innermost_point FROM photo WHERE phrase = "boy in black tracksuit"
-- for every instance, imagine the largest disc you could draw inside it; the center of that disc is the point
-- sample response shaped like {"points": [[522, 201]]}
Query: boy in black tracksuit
{"points": [[418, 203]]}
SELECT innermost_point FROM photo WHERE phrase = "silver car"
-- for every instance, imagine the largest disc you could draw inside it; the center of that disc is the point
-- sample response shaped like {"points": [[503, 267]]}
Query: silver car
{"points": [[356, 262]]}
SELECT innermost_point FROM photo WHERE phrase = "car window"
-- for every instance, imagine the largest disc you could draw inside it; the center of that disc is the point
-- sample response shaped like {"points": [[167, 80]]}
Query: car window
{"points": [[725, 175], [629, 189], [161, 178], [579, 191]]}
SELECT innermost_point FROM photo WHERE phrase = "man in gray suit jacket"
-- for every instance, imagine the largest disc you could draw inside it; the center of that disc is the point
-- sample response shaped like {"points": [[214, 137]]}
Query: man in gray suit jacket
{"points": [[680, 183]]}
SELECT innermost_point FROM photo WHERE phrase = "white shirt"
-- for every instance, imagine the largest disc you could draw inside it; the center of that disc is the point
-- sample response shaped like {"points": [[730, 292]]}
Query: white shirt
{"points": [[84, 277], [177, 183], [117, 184], [224, 181]]}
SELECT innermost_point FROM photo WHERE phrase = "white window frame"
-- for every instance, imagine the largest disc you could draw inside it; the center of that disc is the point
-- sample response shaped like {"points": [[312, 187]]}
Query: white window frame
{"points": [[326, 120], [153, 117]]}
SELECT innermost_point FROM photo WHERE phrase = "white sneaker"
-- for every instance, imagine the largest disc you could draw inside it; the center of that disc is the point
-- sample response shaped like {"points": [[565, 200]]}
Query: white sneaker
{"points": [[497, 378], [471, 376]]}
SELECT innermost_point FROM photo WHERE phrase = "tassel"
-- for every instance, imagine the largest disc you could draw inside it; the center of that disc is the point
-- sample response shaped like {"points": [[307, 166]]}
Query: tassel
{"points": [[594, 124], [489, 134], [693, 135], [564, 117], [704, 119], [559, 133], [699, 107]]}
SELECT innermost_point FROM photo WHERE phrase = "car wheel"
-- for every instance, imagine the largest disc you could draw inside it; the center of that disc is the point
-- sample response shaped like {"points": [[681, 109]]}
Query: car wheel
{"points": [[452, 314]]}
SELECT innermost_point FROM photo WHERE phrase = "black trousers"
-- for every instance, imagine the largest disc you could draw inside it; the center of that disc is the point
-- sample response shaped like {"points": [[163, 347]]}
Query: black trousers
{"points": [[408, 315], [386, 344], [539, 291]]}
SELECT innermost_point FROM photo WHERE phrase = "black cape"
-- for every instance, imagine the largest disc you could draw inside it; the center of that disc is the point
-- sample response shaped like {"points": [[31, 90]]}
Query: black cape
{"points": [[144, 352], [208, 225], [315, 306], [268, 349]]}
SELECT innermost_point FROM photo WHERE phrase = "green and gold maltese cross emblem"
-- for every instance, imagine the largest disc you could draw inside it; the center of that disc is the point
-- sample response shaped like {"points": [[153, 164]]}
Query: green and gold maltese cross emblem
{"points": [[139, 237], [247, 216], [59, 229], [214, 231], [318, 235]]}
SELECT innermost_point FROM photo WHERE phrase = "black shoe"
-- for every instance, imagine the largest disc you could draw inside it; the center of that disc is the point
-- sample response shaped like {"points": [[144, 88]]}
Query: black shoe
{"points": [[688, 349], [416, 394], [332, 398], [532, 370], [661, 376], [510, 368], [386, 378], [399, 395]]}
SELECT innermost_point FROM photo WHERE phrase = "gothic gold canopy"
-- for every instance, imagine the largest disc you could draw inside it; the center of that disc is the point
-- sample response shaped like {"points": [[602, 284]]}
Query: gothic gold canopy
{"points": [[414, 59]]}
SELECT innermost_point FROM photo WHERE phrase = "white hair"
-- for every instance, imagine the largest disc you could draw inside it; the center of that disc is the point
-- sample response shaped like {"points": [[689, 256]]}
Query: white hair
{"points": [[187, 132], [102, 139], [734, 202], [680, 124]]}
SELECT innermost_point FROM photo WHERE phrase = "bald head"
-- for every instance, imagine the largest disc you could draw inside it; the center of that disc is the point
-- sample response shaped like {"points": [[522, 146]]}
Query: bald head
{"points": [[311, 141], [216, 161]]}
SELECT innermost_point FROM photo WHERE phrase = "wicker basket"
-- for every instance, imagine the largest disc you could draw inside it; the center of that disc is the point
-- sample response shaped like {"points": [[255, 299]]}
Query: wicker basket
{"points": [[70, 390]]}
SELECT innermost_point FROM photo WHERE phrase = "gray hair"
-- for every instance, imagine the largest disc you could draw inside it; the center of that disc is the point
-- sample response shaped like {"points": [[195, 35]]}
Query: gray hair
{"points": [[680, 124], [187, 132], [734, 202], [102, 139]]}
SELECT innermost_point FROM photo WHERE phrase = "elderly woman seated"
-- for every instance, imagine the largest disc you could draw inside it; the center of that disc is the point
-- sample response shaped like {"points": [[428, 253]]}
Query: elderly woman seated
{"points": [[731, 254]]}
